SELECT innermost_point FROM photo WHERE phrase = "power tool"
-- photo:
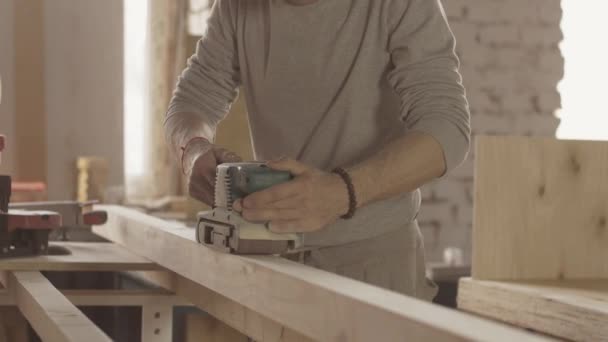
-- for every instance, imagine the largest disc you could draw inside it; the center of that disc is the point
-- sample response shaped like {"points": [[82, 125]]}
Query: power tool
{"points": [[225, 230], [25, 227]]}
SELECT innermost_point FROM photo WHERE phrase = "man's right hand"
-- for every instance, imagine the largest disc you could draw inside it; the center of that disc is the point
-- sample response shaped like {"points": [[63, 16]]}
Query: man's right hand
{"points": [[200, 163]]}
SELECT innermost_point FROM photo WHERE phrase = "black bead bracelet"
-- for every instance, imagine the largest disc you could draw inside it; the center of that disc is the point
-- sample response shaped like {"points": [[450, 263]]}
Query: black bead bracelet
{"points": [[352, 197]]}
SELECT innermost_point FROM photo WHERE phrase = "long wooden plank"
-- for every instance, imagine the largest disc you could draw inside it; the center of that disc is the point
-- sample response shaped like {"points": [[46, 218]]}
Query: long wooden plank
{"points": [[51, 315], [572, 310], [541, 209], [317, 304], [85, 256]]}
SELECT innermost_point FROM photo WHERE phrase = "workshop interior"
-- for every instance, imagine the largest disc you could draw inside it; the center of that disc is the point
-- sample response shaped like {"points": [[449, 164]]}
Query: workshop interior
{"points": [[103, 239]]}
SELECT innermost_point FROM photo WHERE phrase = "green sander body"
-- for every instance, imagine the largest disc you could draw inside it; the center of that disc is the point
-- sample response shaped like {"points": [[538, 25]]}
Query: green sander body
{"points": [[225, 229]]}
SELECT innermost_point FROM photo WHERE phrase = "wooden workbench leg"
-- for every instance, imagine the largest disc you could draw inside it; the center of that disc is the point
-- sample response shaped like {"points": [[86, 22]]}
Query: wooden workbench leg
{"points": [[51, 315], [157, 323], [13, 326]]}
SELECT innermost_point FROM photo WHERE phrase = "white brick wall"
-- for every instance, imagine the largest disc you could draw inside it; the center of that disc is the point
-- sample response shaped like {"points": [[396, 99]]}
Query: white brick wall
{"points": [[511, 64]]}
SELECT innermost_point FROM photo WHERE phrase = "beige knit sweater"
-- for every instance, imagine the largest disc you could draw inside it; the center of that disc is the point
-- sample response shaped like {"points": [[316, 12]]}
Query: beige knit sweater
{"points": [[328, 84]]}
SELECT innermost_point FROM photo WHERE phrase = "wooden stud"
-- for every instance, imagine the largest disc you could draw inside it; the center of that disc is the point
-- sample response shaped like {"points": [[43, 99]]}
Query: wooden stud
{"points": [[157, 323], [51, 315], [314, 303]]}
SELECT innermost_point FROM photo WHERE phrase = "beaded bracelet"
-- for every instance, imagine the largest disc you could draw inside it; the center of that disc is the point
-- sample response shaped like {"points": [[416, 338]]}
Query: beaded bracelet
{"points": [[352, 197]]}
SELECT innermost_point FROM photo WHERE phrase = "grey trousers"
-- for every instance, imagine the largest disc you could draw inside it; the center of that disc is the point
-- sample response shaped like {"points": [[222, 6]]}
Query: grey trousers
{"points": [[394, 261]]}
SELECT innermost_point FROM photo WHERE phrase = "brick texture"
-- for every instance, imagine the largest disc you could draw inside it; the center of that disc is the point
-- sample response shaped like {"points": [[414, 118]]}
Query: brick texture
{"points": [[511, 65]]}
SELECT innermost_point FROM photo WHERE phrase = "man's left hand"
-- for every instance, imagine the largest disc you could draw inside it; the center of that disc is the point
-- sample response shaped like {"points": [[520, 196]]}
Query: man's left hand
{"points": [[309, 202]]}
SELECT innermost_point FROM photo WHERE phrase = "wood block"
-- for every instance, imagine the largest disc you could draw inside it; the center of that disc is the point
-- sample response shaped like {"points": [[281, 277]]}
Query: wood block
{"points": [[316, 304], [574, 310], [541, 209]]}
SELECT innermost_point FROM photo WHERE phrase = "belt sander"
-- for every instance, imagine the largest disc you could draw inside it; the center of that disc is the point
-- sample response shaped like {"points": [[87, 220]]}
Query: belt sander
{"points": [[225, 230]]}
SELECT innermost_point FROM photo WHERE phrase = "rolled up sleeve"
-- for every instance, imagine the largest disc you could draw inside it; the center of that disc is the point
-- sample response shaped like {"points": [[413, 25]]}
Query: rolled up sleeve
{"points": [[209, 84], [425, 75]]}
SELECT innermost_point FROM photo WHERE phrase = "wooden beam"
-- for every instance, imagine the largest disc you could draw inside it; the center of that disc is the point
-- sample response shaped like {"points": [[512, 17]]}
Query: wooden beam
{"points": [[230, 312], [574, 310], [123, 298], [115, 298], [51, 315], [314, 303], [157, 323], [541, 210], [85, 256]]}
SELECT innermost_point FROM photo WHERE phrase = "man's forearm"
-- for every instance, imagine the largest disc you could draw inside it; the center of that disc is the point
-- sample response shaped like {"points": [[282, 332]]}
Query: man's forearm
{"points": [[403, 165]]}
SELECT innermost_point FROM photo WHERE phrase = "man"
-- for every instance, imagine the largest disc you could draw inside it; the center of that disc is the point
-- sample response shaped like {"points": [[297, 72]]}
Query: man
{"points": [[370, 87]]}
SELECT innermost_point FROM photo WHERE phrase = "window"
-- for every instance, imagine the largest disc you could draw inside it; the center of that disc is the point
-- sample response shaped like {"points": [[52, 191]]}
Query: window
{"points": [[584, 111], [135, 85]]}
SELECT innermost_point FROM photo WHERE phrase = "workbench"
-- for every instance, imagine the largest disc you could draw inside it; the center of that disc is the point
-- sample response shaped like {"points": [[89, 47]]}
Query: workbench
{"points": [[267, 298], [52, 313]]}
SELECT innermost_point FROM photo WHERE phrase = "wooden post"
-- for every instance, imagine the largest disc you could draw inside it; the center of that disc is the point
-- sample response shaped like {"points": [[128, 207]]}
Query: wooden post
{"points": [[157, 323]]}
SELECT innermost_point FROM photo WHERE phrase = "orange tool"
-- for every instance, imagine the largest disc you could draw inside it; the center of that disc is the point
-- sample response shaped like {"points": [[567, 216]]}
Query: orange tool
{"points": [[76, 216], [24, 233], [25, 228]]}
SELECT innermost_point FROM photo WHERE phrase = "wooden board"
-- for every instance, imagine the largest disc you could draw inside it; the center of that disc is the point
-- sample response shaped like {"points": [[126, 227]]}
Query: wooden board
{"points": [[51, 315], [86, 256], [116, 298], [541, 209], [575, 310], [317, 304]]}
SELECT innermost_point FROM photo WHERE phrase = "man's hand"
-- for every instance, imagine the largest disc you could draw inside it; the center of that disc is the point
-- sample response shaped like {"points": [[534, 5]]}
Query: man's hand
{"points": [[200, 162], [310, 202]]}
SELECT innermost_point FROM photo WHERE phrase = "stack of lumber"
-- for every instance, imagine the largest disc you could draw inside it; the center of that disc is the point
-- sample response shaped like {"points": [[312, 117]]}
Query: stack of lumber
{"points": [[540, 236]]}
